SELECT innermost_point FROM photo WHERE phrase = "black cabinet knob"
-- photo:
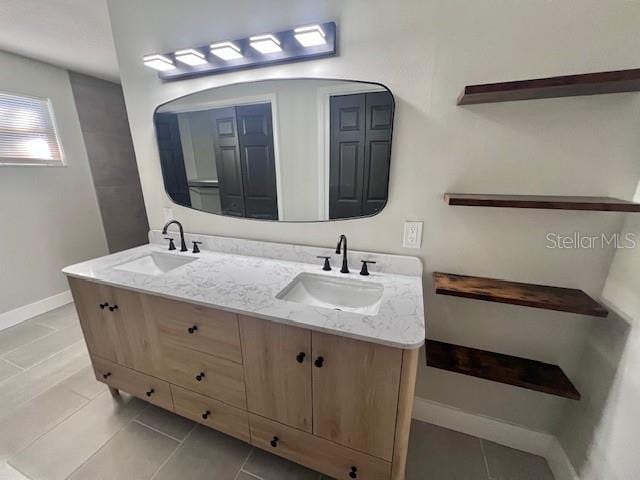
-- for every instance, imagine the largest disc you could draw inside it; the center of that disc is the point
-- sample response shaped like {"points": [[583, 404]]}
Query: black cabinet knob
{"points": [[113, 307], [274, 442], [200, 376], [353, 473], [103, 305], [150, 392], [319, 362], [193, 329], [300, 357], [206, 414], [106, 375]]}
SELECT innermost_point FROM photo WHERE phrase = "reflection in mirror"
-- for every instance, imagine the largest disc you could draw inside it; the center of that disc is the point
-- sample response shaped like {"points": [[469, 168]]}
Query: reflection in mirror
{"points": [[288, 150]]}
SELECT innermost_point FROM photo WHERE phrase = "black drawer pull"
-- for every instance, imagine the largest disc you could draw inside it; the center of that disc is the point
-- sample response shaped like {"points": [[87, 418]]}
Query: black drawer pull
{"points": [[300, 357], [150, 392], [106, 375], [193, 329], [103, 305], [112, 308], [206, 414], [200, 376], [353, 473], [319, 362], [274, 442]]}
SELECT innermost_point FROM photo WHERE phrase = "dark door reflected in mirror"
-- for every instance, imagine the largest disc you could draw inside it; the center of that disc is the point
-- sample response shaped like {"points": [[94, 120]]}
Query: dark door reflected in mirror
{"points": [[296, 150]]}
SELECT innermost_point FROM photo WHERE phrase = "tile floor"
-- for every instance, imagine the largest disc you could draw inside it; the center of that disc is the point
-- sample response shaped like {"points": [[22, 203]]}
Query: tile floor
{"points": [[58, 422]]}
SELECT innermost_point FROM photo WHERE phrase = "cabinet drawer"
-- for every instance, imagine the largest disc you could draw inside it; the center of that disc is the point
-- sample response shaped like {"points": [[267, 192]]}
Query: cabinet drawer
{"points": [[211, 376], [212, 413], [137, 384], [203, 329], [316, 453]]}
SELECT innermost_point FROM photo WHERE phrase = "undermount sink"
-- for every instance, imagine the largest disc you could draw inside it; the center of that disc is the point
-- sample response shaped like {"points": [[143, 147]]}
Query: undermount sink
{"points": [[336, 293], [154, 264]]}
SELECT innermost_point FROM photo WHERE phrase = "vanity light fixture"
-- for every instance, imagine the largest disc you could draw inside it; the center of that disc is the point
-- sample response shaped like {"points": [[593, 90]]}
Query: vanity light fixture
{"points": [[226, 51], [191, 57], [265, 43], [310, 36], [161, 63], [306, 42]]}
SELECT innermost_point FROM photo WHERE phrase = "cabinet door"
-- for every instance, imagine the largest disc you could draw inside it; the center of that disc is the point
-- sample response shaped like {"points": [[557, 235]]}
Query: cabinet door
{"points": [[277, 361], [355, 393], [92, 301], [137, 344]]}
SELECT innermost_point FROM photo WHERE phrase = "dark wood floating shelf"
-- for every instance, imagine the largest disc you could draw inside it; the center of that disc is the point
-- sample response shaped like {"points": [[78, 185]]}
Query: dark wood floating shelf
{"points": [[596, 204], [566, 86], [521, 372], [525, 294]]}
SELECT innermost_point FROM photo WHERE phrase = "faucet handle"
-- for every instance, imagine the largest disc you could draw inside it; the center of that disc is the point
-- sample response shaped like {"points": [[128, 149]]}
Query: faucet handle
{"points": [[172, 246], [195, 246], [365, 270], [327, 265]]}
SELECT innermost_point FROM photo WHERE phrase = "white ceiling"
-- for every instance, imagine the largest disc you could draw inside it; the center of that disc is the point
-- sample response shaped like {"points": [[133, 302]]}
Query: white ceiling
{"points": [[73, 34]]}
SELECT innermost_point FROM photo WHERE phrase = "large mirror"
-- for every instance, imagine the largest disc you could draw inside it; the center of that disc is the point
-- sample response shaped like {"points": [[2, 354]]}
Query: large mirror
{"points": [[294, 150]]}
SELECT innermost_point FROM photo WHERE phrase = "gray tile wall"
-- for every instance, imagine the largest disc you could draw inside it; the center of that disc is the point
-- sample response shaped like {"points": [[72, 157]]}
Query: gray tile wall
{"points": [[105, 128]]}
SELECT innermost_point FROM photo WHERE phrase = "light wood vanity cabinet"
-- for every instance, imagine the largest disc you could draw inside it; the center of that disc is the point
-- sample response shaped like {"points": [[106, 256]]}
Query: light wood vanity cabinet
{"points": [[337, 405]]}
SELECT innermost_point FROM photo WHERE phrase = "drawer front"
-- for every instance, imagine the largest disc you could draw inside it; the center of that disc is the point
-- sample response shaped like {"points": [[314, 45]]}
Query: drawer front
{"points": [[137, 384], [212, 376], [212, 413], [214, 332], [316, 453]]}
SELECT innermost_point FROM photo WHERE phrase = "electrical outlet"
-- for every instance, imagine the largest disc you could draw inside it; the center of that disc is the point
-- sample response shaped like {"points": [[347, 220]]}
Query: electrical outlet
{"points": [[412, 235], [167, 213]]}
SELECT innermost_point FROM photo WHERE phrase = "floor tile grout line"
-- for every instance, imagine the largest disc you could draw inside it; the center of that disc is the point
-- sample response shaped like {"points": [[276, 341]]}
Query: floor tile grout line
{"points": [[2, 418], [64, 419], [172, 454], [24, 370], [45, 358], [18, 470], [53, 330], [249, 473], [54, 425], [486, 460], [139, 422], [6, 360], [101, 446], [243, 464]]}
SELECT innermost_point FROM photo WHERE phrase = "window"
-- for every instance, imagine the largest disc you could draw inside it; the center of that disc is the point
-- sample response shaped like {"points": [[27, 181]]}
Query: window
{"points": [[27, 132]]}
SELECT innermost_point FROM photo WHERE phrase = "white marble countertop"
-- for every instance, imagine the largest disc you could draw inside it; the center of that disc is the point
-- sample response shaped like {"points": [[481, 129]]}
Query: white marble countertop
{"points": [[248, 284]]}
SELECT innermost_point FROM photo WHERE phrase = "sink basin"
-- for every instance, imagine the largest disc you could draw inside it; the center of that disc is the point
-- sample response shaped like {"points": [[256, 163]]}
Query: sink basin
{"points": [[154, 264], [336, 293]]}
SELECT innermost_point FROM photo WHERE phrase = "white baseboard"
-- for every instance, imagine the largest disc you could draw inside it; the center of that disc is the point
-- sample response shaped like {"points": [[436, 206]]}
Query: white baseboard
{"points": [[498, 431], [559, 462], [20, 314]]}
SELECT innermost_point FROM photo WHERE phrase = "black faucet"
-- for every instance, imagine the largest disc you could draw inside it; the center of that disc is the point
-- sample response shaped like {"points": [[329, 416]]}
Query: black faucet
{"points": [[183, 245], [345, 265]]}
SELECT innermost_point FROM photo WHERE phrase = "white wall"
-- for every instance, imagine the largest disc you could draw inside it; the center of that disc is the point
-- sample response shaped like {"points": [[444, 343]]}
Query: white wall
{"points": [[600, 434], [425, 51], [49, 217]]}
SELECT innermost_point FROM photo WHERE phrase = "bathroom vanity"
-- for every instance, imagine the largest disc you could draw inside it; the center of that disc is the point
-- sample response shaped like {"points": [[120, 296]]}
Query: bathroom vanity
{"points": [[215, 337]]}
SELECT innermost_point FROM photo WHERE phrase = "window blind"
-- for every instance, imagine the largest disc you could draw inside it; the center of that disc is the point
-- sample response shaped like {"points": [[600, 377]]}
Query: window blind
{"points": [[27, 132]]}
